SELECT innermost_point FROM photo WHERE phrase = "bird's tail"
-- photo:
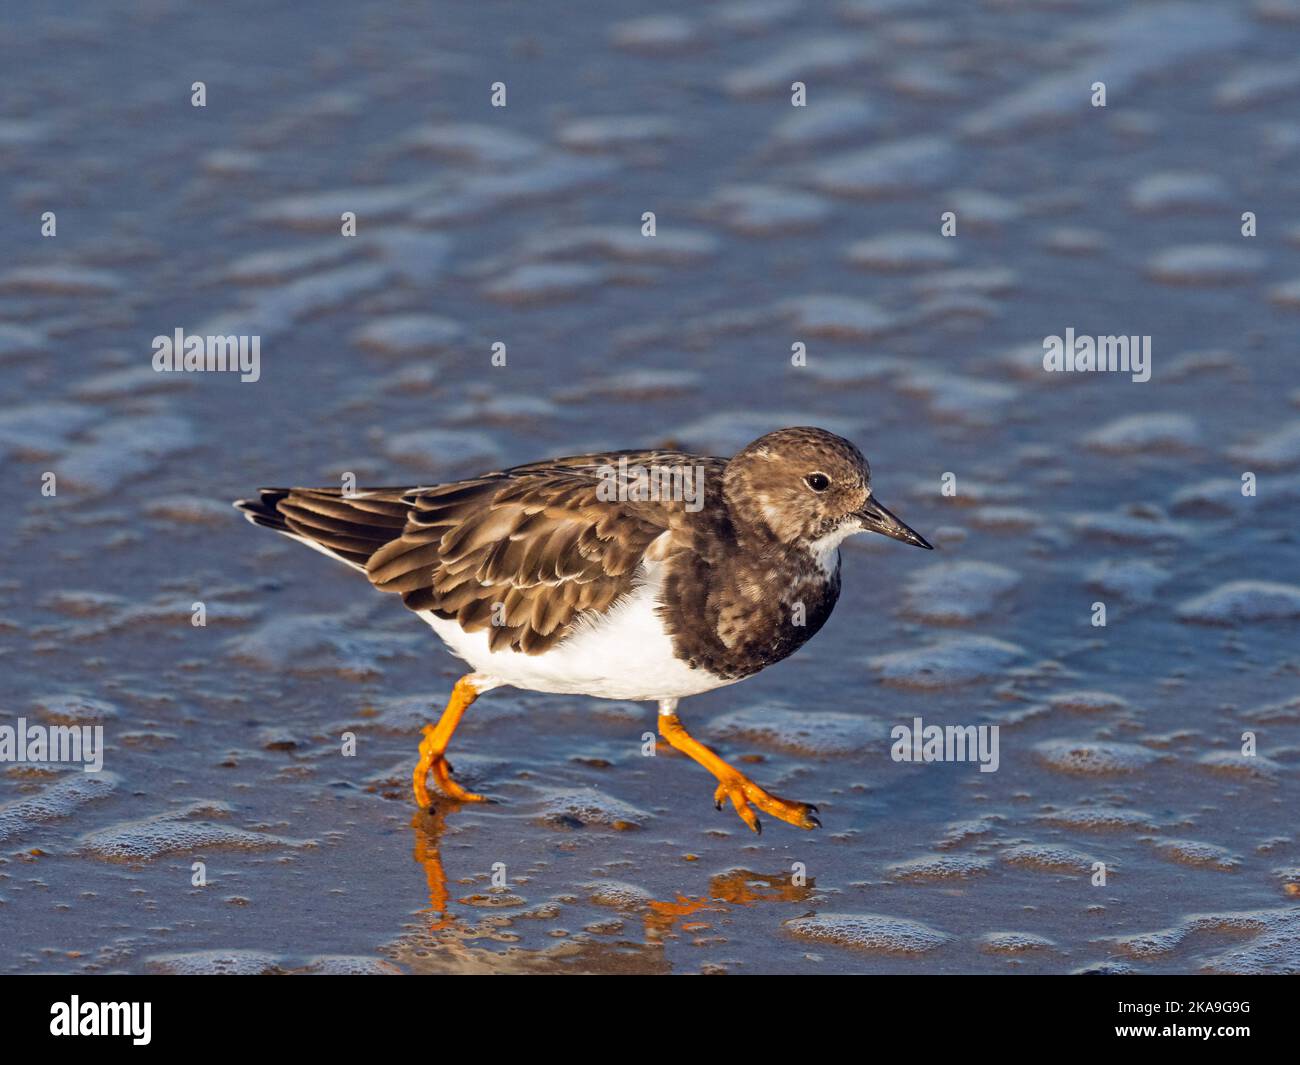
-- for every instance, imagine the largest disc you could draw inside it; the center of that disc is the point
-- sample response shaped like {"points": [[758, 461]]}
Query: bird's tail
{"points": [[349, 527], [263, 511]]}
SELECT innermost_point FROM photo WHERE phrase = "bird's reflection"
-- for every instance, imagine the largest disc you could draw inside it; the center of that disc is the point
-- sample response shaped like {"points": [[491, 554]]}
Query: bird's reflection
{"points": [[428, 826], [736, 887], [661, 919]]}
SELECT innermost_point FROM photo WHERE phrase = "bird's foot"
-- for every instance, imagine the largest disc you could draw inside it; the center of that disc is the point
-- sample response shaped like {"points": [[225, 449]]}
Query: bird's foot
{"points": [[441, 769], [742, 791], [433, 748]]}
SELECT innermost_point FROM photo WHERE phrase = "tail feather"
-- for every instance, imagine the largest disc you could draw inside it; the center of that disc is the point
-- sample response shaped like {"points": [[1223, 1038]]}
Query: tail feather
{"points": [[262, 511], [349, 528]]}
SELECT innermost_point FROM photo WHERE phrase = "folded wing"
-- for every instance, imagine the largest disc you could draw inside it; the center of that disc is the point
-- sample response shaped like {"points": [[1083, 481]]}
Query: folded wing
{"points": [[522, 554], [519, 556]]}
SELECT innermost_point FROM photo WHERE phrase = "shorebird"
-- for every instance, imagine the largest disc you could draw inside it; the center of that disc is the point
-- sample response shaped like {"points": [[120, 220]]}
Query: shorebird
{"points": [[633, 575]]}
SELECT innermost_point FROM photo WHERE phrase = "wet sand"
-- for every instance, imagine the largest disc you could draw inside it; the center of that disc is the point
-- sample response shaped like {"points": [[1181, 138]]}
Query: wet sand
{"points": [[521, 225]]}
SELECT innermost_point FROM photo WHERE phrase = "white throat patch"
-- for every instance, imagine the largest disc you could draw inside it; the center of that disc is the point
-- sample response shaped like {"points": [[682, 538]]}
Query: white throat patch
{"points": [[825, 550]]}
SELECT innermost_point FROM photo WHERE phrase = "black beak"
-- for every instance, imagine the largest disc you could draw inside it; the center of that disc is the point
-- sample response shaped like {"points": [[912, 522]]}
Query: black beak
{"points": [[876, 518]]}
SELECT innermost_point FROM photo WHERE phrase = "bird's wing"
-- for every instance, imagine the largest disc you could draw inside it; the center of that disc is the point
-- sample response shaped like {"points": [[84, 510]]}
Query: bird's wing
{"points": [[524, 553], [600, 459]]}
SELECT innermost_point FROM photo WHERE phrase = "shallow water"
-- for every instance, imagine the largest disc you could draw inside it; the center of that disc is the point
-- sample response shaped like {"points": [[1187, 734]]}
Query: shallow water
{"points": [[1119, 744]]}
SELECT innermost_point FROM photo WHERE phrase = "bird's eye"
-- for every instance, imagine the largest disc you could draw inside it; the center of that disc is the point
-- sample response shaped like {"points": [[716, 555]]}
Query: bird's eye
{"points": [[818, 482]]}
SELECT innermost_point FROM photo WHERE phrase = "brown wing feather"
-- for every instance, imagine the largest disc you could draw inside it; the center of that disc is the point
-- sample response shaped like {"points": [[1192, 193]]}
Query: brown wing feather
{"points": [[535, 542], [537, 539], [518, 541]]}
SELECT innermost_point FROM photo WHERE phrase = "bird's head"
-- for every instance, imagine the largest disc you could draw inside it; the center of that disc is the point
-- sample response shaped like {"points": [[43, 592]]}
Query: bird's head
{"points": [[808, 486]]}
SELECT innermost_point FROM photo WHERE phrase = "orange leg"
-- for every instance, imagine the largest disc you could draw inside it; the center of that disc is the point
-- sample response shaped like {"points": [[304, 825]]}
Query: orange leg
{"points": [[732, 783], [433, 747]]}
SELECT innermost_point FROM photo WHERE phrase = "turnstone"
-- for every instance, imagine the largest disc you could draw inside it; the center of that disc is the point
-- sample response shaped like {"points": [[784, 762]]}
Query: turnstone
{"points": [[610, 575]]}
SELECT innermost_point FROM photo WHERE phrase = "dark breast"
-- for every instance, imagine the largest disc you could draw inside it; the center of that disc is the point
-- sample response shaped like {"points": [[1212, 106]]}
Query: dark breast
{"points": [[733, 615]]}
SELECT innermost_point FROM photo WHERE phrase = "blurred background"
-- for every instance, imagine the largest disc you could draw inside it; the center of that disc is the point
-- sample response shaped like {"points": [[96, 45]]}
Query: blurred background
{"points": [[775, 225]]}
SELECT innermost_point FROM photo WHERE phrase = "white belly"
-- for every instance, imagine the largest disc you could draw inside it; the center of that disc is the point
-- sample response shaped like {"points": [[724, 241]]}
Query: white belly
{"points": [[621, 654]]}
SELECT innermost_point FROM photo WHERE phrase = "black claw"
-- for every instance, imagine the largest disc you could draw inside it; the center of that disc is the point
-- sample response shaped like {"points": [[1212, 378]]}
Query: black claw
{"points": [[815, 822], [758, 826], [812, 808], [718, 806]]}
